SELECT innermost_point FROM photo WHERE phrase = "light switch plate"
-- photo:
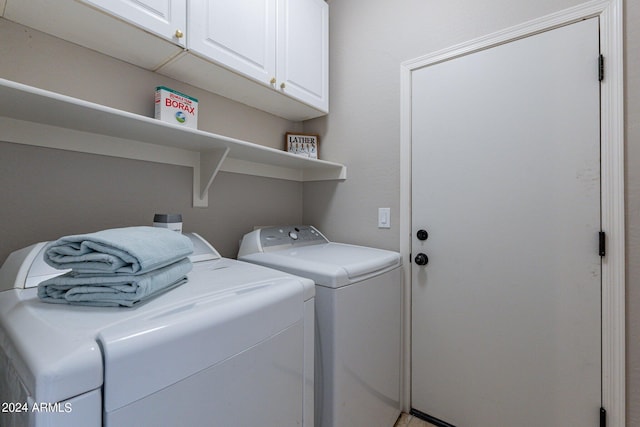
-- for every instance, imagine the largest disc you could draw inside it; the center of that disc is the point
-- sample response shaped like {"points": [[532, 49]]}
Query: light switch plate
{"points": [[384, 217]]}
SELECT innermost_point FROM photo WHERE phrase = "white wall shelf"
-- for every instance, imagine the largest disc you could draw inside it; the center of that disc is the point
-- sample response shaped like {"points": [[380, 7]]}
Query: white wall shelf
{"points": [[38, 117]]}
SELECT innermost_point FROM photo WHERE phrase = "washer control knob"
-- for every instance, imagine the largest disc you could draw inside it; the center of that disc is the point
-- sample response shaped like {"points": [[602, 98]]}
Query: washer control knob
{"points": [[293, 235], [421, 259]]}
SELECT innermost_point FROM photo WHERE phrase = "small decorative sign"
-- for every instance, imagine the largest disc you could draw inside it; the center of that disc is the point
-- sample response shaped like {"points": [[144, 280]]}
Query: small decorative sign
{"points": [[302, 144]]}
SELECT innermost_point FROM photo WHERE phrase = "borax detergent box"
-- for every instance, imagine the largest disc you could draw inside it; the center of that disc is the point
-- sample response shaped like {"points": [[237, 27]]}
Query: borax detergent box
{"points": [[175, 107]]}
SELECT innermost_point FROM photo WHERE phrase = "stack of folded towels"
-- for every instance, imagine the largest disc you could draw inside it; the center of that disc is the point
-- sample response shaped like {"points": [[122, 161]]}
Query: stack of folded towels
{"points": [[117, 267]]}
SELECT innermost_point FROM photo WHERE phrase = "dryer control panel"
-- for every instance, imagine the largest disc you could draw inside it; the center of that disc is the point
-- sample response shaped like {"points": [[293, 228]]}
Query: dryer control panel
{"points": [[282, 237]]}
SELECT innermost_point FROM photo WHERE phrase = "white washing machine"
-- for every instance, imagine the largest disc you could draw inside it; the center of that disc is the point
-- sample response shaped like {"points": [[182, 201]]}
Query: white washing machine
{"points": [[358, 309], [231, 347]]}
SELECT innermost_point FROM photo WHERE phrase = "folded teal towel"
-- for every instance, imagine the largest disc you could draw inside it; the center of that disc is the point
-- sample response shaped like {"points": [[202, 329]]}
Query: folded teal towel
{"points": [[112, 290], [130, 250]]}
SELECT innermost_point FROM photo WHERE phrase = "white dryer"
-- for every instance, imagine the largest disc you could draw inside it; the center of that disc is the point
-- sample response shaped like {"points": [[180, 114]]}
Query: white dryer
{"points": [[359, 319], [231, 347]]}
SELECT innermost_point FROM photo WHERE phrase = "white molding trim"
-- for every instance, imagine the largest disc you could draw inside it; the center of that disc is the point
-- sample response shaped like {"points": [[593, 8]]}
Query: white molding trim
{"points": [[610, 14], [613, 217], [405, 230]]}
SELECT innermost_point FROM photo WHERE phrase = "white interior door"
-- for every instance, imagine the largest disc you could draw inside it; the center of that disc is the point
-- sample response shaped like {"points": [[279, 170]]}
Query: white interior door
{"points": [[506, 180]]}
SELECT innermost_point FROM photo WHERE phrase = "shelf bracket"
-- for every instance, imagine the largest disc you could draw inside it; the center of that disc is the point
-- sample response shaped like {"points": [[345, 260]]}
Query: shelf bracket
{"points": [[204, 173]]}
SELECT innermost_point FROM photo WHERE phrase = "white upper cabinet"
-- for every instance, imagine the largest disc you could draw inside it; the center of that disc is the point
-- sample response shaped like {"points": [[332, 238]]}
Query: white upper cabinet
{"points": [[239, 34], [283, 44], [268, 54], [166, 18], [303, 51]]}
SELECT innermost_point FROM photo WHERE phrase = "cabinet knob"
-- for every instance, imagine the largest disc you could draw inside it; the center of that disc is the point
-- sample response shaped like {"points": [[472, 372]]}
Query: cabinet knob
{"points": [[179, 34], [282, 85], [273, 80]]}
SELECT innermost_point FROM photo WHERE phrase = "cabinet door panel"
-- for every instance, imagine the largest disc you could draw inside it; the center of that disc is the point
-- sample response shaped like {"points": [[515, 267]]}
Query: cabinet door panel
{"points": [[303, 50], [239, 34], [162, 17]]}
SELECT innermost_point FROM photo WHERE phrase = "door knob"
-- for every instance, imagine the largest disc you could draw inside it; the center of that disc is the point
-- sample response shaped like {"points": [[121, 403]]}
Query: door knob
{"points": [[421, 259], [422, 235]]}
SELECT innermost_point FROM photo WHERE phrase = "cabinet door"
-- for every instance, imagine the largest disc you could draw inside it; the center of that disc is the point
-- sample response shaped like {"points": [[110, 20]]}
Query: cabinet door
{"points": [[238, 34], [303, 51], [166, 18]]}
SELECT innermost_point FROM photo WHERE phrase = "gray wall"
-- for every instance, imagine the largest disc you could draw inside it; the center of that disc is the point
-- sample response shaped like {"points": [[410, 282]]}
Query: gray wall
{"points": [[49, 193], [369, 40], [54, 193]]}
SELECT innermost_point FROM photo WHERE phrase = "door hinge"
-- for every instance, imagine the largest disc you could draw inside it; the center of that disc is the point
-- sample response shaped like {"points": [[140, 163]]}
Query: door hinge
{"points": [[603, 417], [601, 68], [602, 248]]}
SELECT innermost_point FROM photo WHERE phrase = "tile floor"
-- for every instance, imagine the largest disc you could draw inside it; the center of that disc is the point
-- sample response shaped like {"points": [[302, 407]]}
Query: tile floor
{"points": [[407, 420]]}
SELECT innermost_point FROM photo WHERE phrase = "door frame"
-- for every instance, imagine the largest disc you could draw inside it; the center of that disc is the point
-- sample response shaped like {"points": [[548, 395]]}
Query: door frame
{"points": [[610, 14]]}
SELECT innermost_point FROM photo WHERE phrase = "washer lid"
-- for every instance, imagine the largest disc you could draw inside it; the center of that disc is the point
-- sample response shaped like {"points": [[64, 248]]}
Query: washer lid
{"points": [[329, 264]]}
